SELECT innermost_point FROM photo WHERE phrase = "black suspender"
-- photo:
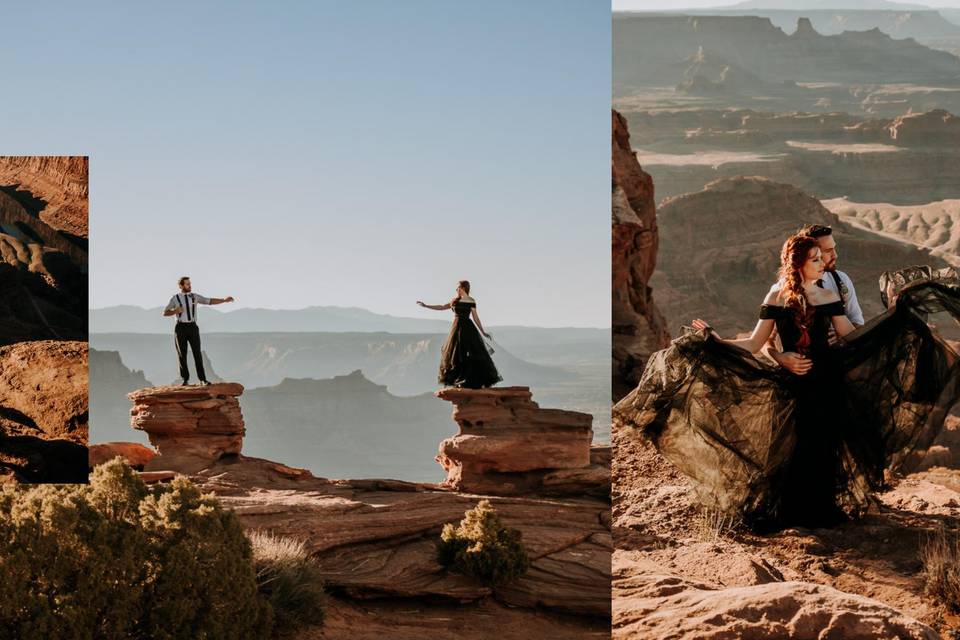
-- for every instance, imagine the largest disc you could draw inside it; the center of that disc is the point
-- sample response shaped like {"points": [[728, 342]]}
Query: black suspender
{"points": [[837, 281], [189, 306]]}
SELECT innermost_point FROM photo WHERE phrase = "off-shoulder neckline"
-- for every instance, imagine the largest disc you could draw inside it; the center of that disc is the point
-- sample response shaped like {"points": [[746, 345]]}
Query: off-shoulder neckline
{"points": [[780, 306]]}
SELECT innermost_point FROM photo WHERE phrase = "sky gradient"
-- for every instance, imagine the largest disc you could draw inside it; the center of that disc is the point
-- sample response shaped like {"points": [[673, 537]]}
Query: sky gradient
{"points": [[331, 153], [676, 5]]}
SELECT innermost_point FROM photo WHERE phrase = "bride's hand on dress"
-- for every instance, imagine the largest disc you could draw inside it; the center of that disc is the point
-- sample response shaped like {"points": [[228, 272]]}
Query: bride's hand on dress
{"points": [[795, 363], [421, 303], [700, 325]]}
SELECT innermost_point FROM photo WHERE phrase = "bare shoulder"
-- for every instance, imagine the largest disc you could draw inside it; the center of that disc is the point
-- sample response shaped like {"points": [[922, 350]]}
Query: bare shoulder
{"points": [[773, 298]]}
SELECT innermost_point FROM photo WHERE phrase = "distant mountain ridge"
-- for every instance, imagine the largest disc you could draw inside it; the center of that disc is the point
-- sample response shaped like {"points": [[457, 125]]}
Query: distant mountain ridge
{"points": [[134, 319], [653, 50]]}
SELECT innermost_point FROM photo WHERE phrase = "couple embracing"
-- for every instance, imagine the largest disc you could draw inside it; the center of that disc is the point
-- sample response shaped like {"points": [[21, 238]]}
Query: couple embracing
{"points": [[806, 442]]}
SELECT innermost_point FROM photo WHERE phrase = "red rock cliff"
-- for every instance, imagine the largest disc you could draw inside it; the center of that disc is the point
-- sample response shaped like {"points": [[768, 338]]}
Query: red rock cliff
{"points": [[639, 328]]}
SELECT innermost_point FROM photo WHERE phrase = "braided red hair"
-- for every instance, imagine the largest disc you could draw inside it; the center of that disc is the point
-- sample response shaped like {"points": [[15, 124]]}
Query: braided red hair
{"points": [[795, 253]]}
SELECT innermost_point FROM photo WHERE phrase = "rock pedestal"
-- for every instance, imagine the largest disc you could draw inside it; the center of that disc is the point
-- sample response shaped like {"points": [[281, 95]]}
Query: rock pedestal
{"points": [[508, 445], [189, 426]]}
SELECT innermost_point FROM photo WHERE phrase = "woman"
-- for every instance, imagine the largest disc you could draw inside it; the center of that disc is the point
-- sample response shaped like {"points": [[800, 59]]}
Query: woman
{"points": [[464, 360], [784, 449]]}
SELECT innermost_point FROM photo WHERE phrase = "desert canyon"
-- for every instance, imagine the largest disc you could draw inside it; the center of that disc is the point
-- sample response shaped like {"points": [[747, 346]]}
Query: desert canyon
{"points": [[374, 537], [731, 131]]}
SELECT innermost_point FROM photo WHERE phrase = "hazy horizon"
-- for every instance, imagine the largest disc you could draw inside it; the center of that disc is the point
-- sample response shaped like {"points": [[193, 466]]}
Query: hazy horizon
{"points": [[357, 154], [655, 5]]}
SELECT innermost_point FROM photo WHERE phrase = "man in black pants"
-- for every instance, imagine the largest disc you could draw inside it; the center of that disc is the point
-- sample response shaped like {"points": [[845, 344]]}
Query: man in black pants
{"points": [[184, 306]]}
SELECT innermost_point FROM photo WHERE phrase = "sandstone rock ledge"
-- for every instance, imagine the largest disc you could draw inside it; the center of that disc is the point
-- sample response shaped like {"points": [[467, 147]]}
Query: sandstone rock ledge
{"points": [[508, 445], [374, 539], [190, 426]]}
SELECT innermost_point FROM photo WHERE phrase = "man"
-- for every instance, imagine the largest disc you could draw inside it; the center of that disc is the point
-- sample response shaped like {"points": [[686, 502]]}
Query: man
{"points": [[833, 280], [184, 306]]}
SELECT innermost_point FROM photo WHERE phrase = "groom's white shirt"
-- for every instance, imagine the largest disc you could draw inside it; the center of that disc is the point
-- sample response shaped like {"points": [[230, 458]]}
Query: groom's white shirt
{"points": [[851, 306]]}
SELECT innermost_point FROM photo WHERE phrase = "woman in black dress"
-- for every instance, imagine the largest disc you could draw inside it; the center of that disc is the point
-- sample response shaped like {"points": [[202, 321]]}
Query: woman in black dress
{"points": [[783, 449], [464, 359]]}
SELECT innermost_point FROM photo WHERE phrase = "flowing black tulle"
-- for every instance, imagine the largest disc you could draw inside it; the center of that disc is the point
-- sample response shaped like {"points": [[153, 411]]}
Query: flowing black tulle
{"points": [[808, 450], [464, 360]]}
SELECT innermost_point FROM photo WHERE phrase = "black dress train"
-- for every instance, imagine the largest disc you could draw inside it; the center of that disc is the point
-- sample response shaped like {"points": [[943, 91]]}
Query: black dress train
{"points": [[809, 450], [464, 360]]}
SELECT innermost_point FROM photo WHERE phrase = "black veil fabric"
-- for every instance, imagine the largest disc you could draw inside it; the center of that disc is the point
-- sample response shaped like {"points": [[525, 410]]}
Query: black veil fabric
{"points": [[730, 421], [464, 359]]}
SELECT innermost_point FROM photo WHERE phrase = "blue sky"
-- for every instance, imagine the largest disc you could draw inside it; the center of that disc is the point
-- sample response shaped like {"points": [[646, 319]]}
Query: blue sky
{"points": [[673, 5], [331, 153]]}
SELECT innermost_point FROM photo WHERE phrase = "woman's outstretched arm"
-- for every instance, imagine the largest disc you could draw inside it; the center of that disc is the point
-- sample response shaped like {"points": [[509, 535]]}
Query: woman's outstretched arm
{"points": [[476, 319], [761, 332], [435, 307], [753, 344]]}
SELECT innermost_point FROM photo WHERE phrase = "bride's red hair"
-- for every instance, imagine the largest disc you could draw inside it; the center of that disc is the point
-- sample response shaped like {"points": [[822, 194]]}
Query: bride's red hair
{"points": [[795, 252]]}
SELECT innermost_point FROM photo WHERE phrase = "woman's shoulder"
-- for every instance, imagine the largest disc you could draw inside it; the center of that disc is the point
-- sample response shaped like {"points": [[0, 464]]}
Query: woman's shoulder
{"points": [[773, 298]]}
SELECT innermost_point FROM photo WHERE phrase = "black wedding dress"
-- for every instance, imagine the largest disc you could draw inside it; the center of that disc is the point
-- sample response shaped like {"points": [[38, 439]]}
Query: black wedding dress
{"points": [[464, 360], [784, 450]]}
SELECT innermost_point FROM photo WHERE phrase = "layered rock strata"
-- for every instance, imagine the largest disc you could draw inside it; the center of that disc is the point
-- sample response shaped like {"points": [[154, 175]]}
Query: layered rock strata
{"points": [[190, 426], [508, 445], [639, 328]]}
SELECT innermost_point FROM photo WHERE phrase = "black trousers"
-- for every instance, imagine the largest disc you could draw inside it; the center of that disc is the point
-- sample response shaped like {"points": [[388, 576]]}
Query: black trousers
{"points": [[188, 333]]}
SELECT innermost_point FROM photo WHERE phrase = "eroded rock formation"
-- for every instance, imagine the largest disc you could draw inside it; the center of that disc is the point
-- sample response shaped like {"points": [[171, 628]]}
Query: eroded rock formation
{"points": [[935, 128], [691, 573], [508, 445], [725, 246], [374, 539], [639, 329], [190, 426], [58, 188], [43, 411], [136, 455]]}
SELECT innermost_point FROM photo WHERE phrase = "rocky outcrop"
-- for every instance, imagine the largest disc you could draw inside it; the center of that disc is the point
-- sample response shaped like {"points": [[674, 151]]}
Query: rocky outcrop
{"points": [[136, 455], [190, 426], [725, 244], [43, 275], [659, 606], [639, 329], [58, 188], [508, 445], [934, 225], [695, 574], [374, 539], [43, 412], [936, 128], [43, 389]]}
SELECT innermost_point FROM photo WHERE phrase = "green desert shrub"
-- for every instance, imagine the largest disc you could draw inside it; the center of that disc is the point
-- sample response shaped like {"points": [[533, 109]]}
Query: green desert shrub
{"points": [[117, 559], [481, 547], [940, 556], [289, 578]]}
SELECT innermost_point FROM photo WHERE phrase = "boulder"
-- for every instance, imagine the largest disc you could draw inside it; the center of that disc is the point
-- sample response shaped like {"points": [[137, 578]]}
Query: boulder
{"points": [[190, 426], [508, 445]]}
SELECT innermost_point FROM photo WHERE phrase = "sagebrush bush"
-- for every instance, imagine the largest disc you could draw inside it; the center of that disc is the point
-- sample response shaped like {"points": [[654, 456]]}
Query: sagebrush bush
{"points": [[481, 547], [117, 559], [940, 556], [289, 578]]}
